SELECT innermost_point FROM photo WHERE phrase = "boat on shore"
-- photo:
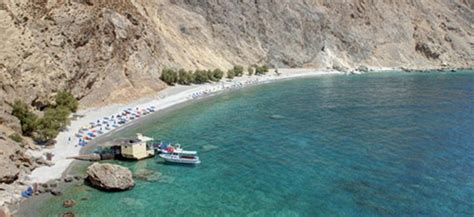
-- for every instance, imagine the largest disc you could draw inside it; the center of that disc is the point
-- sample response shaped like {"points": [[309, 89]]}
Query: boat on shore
{"points": [[179, 158]]}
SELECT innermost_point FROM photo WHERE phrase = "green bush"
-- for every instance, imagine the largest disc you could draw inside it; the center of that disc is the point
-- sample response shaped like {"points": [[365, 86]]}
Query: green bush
{"points": [[218, 74], [15, 137], [67, 100], [200, 77], [169, 76], [27, 118], [238, 71], [230, 74], [210, 75], [261, 70], [185, 78], [53, 120]]}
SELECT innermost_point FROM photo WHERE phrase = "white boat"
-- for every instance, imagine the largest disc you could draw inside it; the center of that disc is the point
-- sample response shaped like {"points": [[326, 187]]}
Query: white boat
{"points": [[177, 158], [176, 149]]}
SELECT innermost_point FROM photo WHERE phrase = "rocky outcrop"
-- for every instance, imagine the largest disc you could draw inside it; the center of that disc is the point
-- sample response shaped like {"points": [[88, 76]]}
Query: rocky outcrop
{"points": [[113, 51], [110, 177]]}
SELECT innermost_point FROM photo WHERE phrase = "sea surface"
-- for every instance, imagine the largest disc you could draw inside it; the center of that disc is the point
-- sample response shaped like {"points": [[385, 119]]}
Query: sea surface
{"points": [[378, 144]]}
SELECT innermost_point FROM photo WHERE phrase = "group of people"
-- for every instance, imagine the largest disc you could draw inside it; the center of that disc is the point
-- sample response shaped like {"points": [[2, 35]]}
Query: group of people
{"points": [[106, 124]]}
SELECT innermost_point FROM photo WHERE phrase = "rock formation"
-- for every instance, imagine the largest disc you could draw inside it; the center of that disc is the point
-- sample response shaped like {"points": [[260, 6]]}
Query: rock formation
{"points": [[110, 177], [110, 51]]}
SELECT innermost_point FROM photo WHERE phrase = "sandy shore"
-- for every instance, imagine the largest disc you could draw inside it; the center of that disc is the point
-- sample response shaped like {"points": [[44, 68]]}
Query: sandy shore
{"points": [[67, 143]]}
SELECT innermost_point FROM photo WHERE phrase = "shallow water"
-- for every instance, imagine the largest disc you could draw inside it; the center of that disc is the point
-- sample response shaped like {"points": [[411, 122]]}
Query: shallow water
{"points": [[391, 144]]}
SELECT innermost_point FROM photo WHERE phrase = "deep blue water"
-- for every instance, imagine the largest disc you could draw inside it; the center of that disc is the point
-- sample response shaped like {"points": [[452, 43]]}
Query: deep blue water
{"points": [[391, 144]]}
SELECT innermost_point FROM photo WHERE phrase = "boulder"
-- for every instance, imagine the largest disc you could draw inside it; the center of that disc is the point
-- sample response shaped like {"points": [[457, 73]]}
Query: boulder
{"points": [[4, 212], [110, 177], [56, 192], [68, 179]]}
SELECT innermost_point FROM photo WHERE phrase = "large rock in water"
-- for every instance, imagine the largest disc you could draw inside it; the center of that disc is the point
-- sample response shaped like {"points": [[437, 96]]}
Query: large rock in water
{"points": [[110, 177]]}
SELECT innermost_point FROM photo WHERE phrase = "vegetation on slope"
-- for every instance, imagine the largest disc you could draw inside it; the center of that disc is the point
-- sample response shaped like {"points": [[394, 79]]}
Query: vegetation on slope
{"points": [[183, 77], [44, 129]]}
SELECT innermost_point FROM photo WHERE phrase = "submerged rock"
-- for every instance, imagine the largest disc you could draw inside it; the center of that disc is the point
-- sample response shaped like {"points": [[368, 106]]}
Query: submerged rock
{"points": [[68, 214], [69, 203], [147, 175], [110, 177], [209, 147], [133, 202]]}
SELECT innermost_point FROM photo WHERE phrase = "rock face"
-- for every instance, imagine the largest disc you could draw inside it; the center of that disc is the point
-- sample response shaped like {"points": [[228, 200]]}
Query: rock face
{"points": [[113, 51], [110, 177]]}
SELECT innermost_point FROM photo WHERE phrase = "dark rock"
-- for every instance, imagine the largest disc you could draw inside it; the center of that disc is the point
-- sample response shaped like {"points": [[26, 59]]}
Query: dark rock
{"points": [[78, 178], [68, 179], [53, 185], [55, 192]]}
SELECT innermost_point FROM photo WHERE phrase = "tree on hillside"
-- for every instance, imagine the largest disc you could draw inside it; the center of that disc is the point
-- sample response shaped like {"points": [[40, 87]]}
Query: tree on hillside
{"points": [[67, 100], [169, 76], [200, 77], [218, 74], [238, 71], [210, 75], [53, 120], [184, 77], [261, 70], [27, 118], [230, 74]]}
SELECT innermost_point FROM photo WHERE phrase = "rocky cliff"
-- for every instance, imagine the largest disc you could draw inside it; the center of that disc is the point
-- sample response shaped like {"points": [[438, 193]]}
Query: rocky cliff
{"points": [[112, 51]]}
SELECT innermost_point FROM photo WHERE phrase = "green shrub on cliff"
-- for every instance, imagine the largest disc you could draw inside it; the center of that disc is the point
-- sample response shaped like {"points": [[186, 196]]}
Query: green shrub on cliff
{"points": [[15, 137], [67, 100], [54, 119], [27, 118]]}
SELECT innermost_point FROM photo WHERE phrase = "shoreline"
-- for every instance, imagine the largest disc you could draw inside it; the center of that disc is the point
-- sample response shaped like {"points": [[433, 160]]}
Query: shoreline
{"points": [[66, 145], [168, 99]]}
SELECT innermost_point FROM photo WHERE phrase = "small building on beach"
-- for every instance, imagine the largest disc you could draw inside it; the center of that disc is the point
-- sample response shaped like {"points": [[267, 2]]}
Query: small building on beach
{"points": [[137, 149]]}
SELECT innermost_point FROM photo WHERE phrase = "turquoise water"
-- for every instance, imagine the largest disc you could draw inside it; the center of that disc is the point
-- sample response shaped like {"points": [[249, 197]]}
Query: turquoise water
{"points": [[392, 144]]}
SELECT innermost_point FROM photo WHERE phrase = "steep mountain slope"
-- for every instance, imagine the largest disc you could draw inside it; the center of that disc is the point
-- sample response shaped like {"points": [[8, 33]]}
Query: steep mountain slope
{"points": [[112, 51]]}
